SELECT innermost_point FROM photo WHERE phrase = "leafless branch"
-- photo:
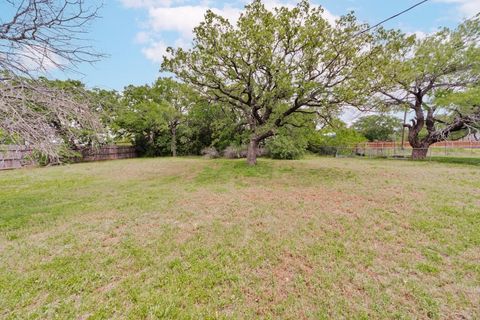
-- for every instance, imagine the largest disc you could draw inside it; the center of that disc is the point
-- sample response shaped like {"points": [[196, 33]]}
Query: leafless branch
{"points": [[37, 37], [46, 118], [42, 35]]}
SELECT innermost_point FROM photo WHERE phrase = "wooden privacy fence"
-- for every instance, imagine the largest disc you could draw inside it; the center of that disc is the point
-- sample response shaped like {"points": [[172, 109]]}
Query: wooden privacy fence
{"points": [[15, 156], [107, 153]]}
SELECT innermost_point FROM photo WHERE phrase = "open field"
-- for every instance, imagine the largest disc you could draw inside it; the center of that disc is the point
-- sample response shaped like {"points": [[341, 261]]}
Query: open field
{"points": [[194, 239]]}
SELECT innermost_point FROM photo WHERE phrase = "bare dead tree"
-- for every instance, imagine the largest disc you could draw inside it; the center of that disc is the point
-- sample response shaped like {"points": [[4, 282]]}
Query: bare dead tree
{"points": [[45, 34], [37, 36], [46, 117]]}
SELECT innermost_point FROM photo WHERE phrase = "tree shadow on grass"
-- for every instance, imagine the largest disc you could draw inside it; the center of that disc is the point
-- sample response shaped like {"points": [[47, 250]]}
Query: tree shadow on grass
{"points": [[453, 160]]}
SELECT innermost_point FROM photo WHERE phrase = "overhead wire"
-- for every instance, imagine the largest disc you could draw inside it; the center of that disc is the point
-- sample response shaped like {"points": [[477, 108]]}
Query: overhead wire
{"points": [[391, 18]]}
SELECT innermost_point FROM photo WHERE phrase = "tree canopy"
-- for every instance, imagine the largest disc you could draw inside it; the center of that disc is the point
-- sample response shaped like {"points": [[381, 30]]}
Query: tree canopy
{"points": [[378, 127], [413, 72], [272, 80], [273, 64]]}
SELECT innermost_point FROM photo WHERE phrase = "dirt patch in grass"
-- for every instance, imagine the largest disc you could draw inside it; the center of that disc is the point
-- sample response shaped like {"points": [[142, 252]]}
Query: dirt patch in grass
{"points": [[191, 238], [278, 280]]}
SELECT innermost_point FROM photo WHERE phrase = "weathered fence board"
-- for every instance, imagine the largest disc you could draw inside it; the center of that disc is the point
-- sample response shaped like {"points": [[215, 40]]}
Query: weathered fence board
{"points": [[14, 156], [108, 153]]}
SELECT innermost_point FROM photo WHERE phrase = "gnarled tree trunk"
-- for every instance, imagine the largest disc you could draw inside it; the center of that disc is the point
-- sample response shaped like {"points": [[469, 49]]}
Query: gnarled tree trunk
{"points": [[434, 134], [419, 153], [420, 146], [252, 151], [255, 140]]}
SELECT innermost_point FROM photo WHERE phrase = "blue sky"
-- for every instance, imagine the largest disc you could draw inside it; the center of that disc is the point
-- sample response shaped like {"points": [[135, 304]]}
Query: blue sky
{"points": [[134, 33]]}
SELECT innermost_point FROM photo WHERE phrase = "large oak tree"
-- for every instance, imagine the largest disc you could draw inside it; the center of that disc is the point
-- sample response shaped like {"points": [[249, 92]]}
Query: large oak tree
{"points": [[273, 64], [420, 74]]}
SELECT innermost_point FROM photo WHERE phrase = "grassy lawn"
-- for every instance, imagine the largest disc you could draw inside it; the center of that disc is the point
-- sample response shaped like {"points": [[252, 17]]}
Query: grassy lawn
{"points": [[458, 160], [195, 239]]}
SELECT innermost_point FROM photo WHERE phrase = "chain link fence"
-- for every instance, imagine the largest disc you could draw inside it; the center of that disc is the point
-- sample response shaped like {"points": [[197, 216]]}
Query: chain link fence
{"points": [[390, 150]]}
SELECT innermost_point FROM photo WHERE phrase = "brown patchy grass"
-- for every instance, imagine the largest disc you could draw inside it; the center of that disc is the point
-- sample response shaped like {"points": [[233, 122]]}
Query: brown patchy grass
{"points": [[193, 238]]}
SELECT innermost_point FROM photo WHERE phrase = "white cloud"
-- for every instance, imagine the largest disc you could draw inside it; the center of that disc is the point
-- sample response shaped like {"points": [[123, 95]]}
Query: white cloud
{"points": [[181, 17], [155, 52], [467, 8], [42, 59], [351, 114], [418, 34], [329, 16], [142, 37], [184, 18], [146, 3], [271, 4]]}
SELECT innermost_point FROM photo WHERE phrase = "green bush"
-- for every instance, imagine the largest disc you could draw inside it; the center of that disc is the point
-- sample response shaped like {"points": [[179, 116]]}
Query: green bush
{"points": [[66, 155], [334, 140], [285, 147]]}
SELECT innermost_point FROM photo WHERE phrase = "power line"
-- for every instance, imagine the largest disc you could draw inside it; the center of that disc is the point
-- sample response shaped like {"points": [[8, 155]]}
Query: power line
{"points": [[390, 18]]}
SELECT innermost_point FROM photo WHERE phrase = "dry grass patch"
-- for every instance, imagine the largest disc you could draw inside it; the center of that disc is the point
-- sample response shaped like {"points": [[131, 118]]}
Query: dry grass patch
{"points": [[194, 238]]}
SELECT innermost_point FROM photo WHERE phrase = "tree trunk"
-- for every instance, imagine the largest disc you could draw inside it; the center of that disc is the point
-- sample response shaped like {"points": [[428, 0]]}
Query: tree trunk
{"points": [[173, 143], [419, 153], [252, 152]]}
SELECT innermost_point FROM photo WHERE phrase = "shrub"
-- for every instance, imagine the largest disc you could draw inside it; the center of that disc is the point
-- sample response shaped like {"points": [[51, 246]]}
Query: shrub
{"points": [[234, 152], [324, 150], [261, 152], [239, 152], [284, 147], [210, 152], [334, 140], [66, 155]]}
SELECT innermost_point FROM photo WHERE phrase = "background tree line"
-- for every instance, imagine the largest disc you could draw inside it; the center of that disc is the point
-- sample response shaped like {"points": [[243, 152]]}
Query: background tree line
{"points": [[276, 80], [168, 118]]}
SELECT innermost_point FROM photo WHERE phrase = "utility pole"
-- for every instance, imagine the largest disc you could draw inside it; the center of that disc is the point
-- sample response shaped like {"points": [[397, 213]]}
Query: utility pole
{"points": [[403, 127]]}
